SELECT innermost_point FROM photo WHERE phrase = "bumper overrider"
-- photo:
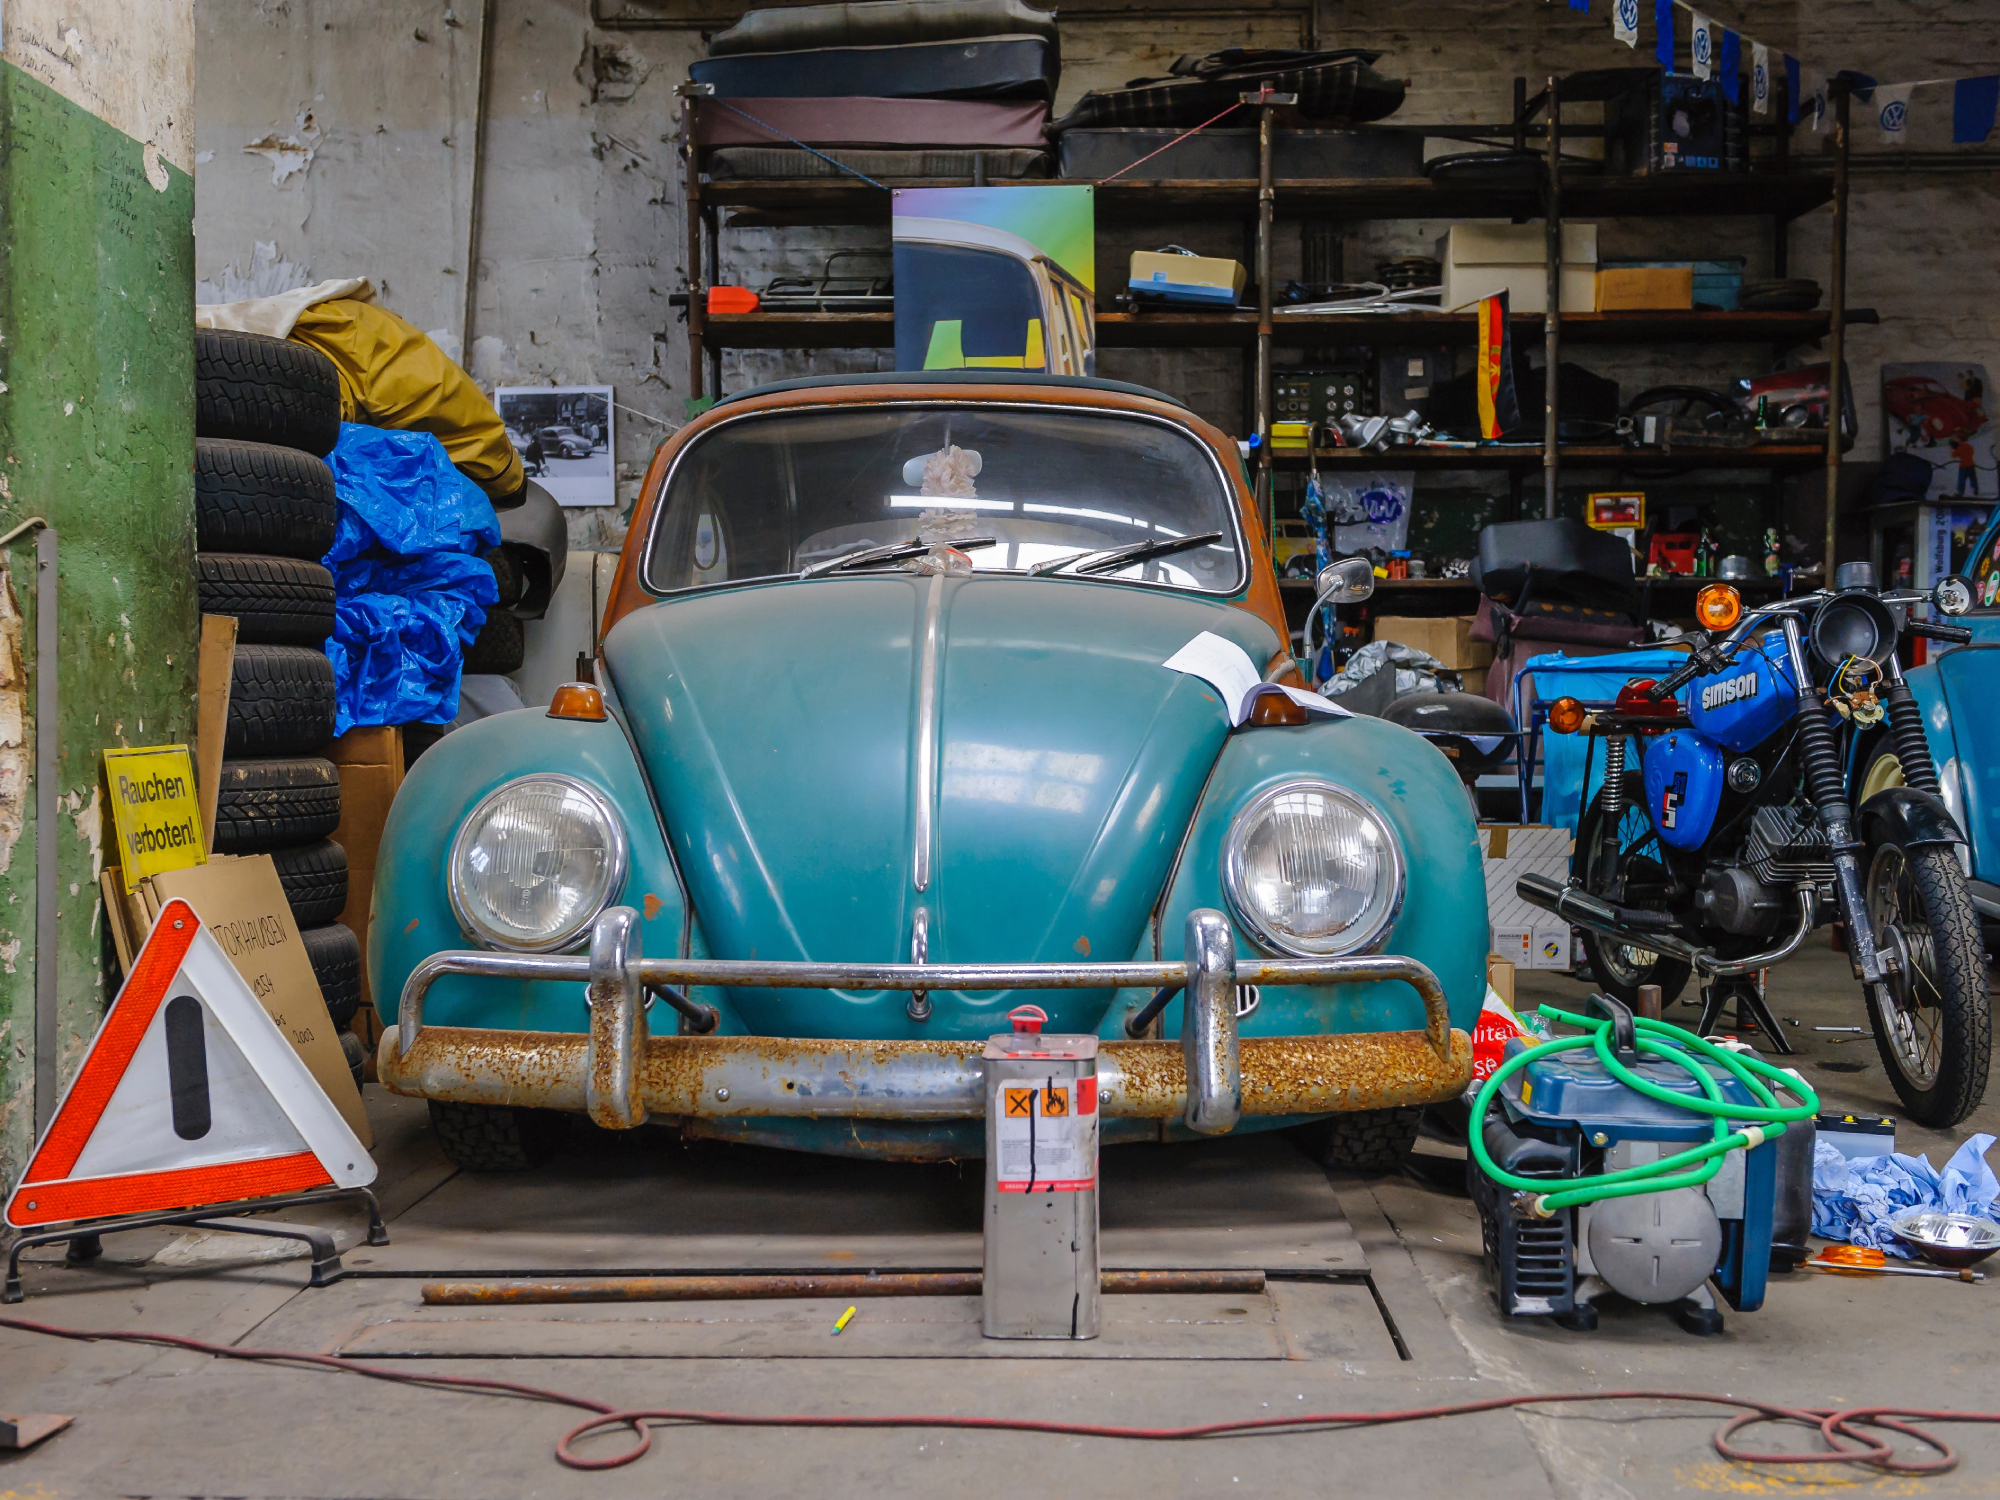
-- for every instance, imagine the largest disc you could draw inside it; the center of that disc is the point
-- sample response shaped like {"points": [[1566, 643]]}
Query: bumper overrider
{"points": [[620, 1075]]}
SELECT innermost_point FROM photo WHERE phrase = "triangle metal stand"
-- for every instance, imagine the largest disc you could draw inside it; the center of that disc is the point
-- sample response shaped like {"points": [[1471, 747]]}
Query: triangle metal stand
{"points": [[86, 1243], [1750, 1010]]}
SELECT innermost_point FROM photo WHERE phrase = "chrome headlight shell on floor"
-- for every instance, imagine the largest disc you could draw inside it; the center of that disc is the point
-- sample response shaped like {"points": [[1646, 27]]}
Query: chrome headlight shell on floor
{"points": [[535, 863], [1313, 871]]}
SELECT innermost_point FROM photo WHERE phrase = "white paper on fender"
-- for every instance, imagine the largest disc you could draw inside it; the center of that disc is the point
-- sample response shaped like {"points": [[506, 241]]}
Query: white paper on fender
{"points": [[1045, 1135]]}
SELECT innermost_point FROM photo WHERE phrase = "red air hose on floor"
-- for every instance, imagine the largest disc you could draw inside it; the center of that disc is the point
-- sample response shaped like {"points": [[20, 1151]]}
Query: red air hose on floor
{"points": [[1841, 1430]]}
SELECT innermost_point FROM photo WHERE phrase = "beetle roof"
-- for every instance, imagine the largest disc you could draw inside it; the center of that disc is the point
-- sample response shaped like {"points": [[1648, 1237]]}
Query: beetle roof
{"points": [[980, 376]]}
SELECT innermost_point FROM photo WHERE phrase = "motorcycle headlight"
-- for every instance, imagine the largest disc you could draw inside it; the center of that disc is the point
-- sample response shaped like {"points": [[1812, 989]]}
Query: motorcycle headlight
{"points": [[1313, 871], [535, 863]]}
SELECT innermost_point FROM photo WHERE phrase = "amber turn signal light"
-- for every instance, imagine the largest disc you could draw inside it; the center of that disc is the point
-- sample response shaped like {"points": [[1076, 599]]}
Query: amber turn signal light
{"points": [[1718, 607], [578, 700], [1566, 716], [1276, 708]]}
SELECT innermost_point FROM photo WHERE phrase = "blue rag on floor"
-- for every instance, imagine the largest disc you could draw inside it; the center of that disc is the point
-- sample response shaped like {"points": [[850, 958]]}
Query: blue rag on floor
{"points": [[1852, 1200], [411, 588]]}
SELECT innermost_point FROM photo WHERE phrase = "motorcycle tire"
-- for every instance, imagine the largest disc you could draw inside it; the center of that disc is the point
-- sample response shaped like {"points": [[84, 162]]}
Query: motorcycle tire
{"points": [[1936, 1038], [1620, 968]]}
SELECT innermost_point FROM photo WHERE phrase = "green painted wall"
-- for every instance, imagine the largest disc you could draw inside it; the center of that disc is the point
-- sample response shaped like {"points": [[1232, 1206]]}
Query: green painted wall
{"points": [[97, 435]]}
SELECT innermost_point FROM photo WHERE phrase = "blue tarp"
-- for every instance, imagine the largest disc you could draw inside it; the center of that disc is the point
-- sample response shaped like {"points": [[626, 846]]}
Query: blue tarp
{"points": [[1594, 679], [411, 588], [1853, 1199]]}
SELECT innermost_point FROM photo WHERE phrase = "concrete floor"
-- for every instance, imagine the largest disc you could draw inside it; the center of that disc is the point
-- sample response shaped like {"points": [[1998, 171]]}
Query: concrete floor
{"points": [[1385, 1306]]}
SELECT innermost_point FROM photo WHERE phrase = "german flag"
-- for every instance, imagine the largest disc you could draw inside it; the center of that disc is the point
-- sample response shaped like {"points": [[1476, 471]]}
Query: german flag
{"points": [[1499, 407]]}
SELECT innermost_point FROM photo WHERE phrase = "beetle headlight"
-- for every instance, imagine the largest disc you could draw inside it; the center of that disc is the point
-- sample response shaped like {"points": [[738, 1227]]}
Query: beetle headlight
{"points": [[1313, 871], [535, 863]]}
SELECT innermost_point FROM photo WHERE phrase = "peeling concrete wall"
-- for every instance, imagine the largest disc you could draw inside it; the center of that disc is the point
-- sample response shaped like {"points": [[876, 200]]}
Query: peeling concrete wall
{"points": [[97, 436], [582, 241]]}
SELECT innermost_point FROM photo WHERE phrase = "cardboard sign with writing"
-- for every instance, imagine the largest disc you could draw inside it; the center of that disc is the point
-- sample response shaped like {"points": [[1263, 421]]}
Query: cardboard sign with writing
{"points": [[241, 901], [156, 810]]}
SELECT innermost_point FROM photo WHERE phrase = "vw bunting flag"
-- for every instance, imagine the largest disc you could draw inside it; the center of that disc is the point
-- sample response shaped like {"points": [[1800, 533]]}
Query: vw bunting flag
{"points": [[1973, 105], [1792, 100], [1701, 42], [1499, 406], [1625, 21], [1760, 78], [1891, 103], [1730, 61], [1663, 34]]}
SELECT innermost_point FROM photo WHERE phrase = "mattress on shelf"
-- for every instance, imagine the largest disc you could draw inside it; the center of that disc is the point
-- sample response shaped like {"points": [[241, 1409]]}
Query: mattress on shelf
{"points": [[1331, 86], [954, 124], [994, 67], [1219, 154], [879, 23], [736, 163]]}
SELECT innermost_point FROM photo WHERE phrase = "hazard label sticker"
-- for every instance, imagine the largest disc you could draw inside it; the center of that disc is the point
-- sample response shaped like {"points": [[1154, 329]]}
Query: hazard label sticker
{"points": [[1045, 1135]]}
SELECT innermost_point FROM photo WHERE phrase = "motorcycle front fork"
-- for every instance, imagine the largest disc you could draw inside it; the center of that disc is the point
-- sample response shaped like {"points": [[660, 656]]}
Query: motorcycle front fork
{"points": [[1819, 764]]}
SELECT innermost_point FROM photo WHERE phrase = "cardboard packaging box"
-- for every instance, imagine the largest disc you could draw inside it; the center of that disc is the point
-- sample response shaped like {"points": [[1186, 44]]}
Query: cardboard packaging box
{"points": [[240, 900], [1500, 977], [1644, 288], [370, 762], [1524, 935], [1480, 260], [1449, 639], [1198, 279]]}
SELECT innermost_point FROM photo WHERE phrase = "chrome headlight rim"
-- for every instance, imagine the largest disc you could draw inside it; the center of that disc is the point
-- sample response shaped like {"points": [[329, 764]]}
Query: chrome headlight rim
{"points": [[1363, 938], [574, 934]]}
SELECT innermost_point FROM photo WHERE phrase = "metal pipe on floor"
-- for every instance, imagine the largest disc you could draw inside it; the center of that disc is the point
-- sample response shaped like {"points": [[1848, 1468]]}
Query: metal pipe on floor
{"points": [[741, 1288]]}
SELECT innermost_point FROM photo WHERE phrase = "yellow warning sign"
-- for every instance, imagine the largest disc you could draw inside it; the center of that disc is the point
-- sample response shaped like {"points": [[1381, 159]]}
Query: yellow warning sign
{"points": [[1055, 1102], [155, 811], [1020, 1103]]}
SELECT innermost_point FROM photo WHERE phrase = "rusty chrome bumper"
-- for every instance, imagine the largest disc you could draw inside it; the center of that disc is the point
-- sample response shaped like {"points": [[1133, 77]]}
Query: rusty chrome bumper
{"points": [[619, 1074]]}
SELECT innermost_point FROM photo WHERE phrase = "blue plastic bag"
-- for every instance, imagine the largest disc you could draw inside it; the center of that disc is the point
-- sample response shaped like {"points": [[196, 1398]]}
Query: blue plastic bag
{"points": [[411, 589], [1593, 679], [1852, 1200]]}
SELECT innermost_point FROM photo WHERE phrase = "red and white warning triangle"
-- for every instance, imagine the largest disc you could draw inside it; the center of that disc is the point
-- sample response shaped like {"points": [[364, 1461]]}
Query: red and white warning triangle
{"points": [[189, 1095]]}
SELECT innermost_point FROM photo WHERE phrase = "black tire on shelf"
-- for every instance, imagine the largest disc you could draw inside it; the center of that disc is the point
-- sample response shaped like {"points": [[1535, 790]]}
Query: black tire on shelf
{"points": [[1366, 1140], [265, 390], [1619, 968], [500, 645], [496, 1137], [1938, 1046], [275, 804], [315, 880], [258, 497], [280, 702], [506, 574], [276, 601], [336, 959]]}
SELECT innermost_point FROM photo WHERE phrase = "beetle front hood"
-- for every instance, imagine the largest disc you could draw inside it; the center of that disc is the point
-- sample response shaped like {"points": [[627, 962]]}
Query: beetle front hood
{"points": [[812, 754]]}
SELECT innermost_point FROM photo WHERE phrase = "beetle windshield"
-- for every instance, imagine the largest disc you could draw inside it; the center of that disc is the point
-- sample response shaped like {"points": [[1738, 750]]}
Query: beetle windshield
{"points": [[777, 493]]}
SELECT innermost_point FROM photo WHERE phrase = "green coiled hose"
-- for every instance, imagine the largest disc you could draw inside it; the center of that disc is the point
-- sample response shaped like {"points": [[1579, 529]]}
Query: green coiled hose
{"points": [[1674, 1043]]}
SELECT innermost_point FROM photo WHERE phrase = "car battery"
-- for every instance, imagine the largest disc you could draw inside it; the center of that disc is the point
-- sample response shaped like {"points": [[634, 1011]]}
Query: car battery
{"points": [[1322, 397], [1041, 1276]]}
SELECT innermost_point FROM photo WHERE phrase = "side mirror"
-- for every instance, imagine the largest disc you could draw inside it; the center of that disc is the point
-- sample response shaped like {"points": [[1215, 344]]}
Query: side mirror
{"points": [[1348, 581], [1953, 596]]}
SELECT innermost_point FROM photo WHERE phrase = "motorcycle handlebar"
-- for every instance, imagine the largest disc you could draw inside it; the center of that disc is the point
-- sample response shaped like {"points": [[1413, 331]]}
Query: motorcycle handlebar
{"points": [[1957, 634], [1674, 681]]}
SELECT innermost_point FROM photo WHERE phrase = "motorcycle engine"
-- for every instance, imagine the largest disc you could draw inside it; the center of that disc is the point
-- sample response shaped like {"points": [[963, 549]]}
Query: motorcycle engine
{"points": [[1735, 900], [1787, 847]]}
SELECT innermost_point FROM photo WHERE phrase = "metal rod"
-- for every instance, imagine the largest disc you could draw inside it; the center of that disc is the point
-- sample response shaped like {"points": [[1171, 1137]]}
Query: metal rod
{"points": [[48, 817], [697, 298], [481, 101], [1265, 205], [745, 1288], [1552, 318], [1836, 342]]}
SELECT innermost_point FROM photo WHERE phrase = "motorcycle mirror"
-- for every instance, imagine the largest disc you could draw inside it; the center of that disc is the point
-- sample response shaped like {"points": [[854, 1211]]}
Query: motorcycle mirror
{"points": [[1348, 581], [1953, 595]]}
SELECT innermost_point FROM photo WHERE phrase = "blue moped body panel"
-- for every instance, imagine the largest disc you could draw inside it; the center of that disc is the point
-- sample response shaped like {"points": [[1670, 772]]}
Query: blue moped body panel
{"points": [[1744, 705], [1683, 787]]}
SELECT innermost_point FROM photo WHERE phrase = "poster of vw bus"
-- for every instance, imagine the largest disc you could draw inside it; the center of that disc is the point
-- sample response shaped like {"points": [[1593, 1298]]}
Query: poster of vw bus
{"points": [[997, 278]]}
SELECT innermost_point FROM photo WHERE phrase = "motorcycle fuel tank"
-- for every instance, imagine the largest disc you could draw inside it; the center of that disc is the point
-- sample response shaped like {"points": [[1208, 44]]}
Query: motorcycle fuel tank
{"points": [[1683, 787], [1748, 701]]}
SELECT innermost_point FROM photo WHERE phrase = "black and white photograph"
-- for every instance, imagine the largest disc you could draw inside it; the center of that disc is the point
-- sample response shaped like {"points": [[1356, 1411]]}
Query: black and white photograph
{"points": [[563, 434]]}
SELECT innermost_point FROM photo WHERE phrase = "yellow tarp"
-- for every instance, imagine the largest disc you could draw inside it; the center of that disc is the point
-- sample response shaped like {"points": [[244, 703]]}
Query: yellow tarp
{"points": [[392, 375]]}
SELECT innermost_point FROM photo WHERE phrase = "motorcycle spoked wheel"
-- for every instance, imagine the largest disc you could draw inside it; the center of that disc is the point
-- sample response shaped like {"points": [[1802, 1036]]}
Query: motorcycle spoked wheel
{"points": [[1933, 1022], [1622, 967]]}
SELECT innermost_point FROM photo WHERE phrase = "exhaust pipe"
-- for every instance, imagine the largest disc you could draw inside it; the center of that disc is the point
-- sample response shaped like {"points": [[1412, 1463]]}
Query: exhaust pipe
{"points": [[1581, 909]]}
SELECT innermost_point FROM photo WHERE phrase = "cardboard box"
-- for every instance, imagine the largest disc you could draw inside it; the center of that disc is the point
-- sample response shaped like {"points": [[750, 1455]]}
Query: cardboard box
{"points": [[370, 762], [1186, 278], [1448, 638], [1525, 935], [240, 900], [1500, 977], [1644, 288], [1552, 944], [1482, 260]]}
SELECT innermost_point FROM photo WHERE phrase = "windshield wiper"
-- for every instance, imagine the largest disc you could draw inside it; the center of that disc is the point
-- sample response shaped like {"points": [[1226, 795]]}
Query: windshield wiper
{"points": [[1122, 557], [893, 552]]}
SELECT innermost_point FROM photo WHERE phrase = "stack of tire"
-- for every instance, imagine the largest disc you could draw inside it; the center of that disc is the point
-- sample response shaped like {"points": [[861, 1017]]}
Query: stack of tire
{"points": [[267, 412]]}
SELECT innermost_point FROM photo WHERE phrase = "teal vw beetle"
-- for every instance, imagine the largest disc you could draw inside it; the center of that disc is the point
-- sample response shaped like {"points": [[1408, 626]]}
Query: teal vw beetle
{"points": [[921, 698]]}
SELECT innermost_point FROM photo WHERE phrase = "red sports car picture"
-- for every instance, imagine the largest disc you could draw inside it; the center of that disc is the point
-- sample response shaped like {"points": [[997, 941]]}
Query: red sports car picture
{"points": [[1931, 413]]}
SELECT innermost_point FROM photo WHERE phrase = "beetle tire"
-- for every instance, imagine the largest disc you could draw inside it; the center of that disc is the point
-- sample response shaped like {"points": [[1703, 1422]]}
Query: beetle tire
{"points": [[280, 702], [1621, 979], [335, 954], [1965, 1007], [315, 880], [356, 1052], [275, 601], [276, 803], [258, 497], [1367, 1140], [495, 1137]]}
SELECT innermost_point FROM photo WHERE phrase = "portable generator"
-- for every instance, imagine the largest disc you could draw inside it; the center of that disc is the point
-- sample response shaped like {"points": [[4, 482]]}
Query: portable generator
{"points": [[1639, 1159]]}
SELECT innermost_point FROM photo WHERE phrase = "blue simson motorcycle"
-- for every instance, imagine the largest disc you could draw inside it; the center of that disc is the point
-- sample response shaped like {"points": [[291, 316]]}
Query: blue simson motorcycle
{"points": [[1734, 836]]}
